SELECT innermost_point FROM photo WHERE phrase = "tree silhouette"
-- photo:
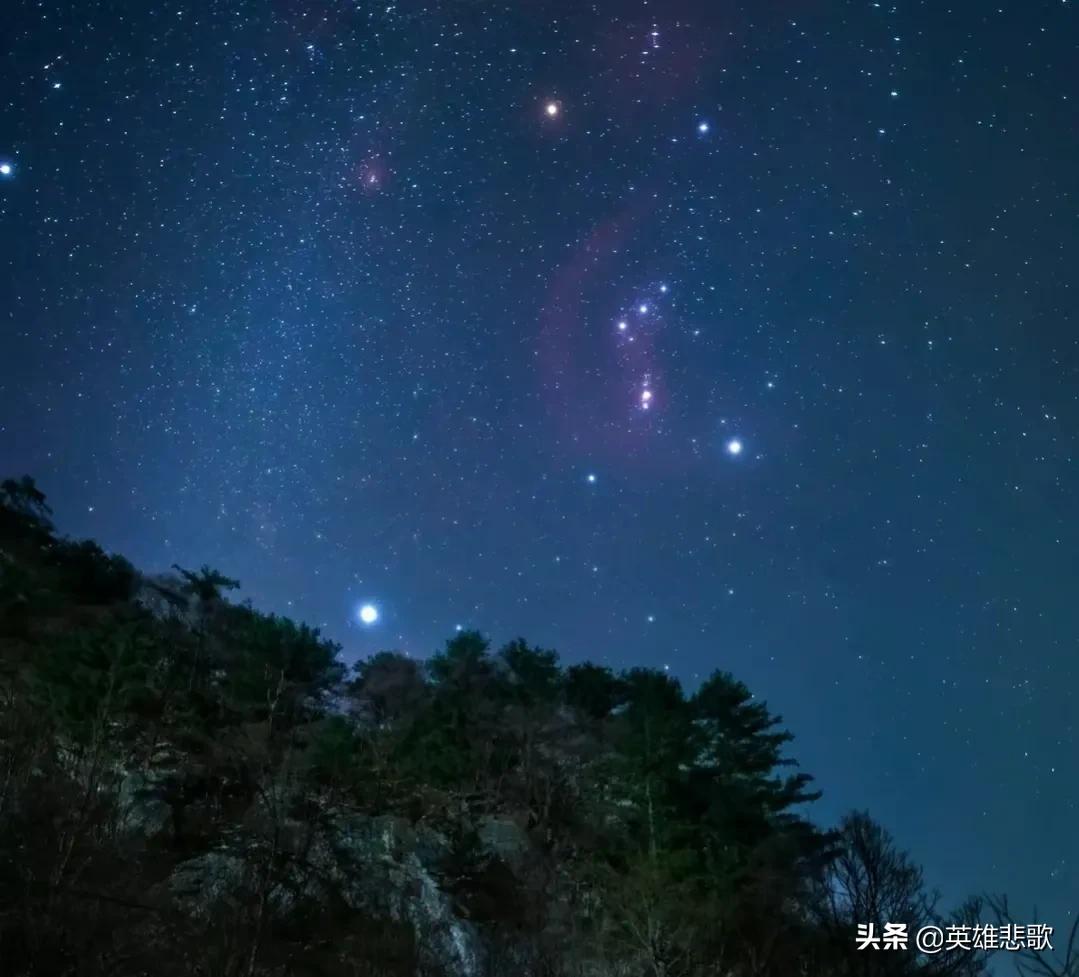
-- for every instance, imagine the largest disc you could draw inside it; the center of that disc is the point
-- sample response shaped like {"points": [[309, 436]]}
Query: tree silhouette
{"points": [[202, 788]]}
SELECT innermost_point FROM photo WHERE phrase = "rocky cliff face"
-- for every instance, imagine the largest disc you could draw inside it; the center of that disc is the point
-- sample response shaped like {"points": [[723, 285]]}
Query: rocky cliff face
{"points": [[382, 866]]}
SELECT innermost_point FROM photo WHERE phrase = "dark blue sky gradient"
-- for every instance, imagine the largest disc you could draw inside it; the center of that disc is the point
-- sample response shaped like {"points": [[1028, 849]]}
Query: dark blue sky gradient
{"points": [[319, 293]]}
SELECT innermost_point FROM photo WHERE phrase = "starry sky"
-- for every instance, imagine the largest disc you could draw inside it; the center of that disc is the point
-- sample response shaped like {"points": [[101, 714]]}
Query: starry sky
{"points": [[687, 334]]}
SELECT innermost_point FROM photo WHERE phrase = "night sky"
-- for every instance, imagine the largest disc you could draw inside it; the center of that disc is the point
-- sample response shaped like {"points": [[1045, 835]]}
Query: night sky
{"points": [[688, 334]]}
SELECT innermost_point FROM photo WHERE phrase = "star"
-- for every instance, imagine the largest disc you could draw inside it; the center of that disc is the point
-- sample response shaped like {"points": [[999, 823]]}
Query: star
{"points": [[646, 398], [643, 309], [734, 447], [368, 614], [6, 169], [703, 127], [591, 479], [622, 326], [552, 109]]}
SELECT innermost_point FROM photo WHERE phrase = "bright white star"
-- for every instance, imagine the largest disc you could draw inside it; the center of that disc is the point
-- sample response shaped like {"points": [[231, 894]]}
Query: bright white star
{"points": [[703, 127], [734, 447], [643, 309], [622, 326], [368, 614], [551, 109], [591, 479], [6, 169]]}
